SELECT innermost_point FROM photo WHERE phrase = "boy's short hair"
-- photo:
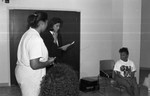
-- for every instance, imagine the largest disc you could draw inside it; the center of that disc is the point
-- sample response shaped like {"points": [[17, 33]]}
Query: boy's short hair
{"points": [[124, 49]]}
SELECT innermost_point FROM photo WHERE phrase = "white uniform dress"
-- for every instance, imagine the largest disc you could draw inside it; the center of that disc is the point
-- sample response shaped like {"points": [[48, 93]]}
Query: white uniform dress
{"points": [[31, 46]]}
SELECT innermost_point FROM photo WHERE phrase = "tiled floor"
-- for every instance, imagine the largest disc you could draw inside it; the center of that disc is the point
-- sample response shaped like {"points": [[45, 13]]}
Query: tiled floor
{"points": [[15, 91]]}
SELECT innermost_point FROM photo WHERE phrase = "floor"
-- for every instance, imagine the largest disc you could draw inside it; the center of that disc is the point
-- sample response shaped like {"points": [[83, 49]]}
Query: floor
{"points": [[10, 91], [109, 91], [15, 91], [114, 92]]}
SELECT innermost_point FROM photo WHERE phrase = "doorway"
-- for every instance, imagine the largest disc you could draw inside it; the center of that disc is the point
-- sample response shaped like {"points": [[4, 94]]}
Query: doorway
{"points": [[70, 32]]}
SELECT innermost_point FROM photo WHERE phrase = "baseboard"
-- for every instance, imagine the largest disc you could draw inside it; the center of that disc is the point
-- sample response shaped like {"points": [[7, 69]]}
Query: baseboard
{"points": [[4, 84], [144, 68]]}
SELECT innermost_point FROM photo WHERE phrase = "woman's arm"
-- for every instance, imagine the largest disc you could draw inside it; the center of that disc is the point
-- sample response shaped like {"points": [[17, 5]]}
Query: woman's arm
{"points": [[36, 64]]}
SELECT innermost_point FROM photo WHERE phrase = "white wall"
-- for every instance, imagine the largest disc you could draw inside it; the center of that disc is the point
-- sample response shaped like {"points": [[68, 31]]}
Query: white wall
{"points": [[117, 28], [96, 35], [4, 45], [101, 30], [132, 30]]}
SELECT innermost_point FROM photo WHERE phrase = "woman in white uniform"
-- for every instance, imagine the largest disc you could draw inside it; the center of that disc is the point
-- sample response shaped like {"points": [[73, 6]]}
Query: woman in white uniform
{"points": [[32, 56]]}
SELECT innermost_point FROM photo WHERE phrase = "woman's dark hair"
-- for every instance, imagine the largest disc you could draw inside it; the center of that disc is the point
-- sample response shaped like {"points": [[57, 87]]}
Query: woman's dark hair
{"points": [[60, 80], [34, 19], [124, 49], [53, 21]]}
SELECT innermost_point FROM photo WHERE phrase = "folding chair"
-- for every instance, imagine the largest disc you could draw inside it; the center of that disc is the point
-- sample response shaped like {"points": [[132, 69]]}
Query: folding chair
{"points": [[106, 71]]}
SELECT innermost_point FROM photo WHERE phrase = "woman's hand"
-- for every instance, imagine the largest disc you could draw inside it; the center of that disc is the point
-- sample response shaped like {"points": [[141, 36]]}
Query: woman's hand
{"points": [[55, 34], [51, 60]]}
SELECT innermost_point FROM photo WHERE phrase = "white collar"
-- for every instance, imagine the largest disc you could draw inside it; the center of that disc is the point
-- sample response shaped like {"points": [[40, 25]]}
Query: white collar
{"points": [[51, 32], [34, 31]]}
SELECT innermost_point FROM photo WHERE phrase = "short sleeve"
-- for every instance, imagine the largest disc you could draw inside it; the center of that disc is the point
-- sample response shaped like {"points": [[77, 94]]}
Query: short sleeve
{"points": [[133, 67], [117, 67], [34, 48]]}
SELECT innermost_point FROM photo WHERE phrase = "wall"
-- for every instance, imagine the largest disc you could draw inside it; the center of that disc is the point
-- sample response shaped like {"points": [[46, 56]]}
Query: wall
{"points": [[132, 30], [4, 45], [117, 28], [96, 36], [145, 35], [102, 26]]}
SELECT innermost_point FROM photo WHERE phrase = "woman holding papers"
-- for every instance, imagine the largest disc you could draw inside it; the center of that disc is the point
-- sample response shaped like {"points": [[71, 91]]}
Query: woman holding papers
{"points": [[52, 39]]}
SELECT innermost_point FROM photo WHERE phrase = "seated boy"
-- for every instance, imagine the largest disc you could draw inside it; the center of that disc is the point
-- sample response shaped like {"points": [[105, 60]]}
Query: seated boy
{"points": [[124, 73]]}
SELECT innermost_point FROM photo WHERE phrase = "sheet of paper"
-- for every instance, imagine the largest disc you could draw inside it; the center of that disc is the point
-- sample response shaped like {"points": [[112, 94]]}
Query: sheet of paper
{"points": [[67, 45]]}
